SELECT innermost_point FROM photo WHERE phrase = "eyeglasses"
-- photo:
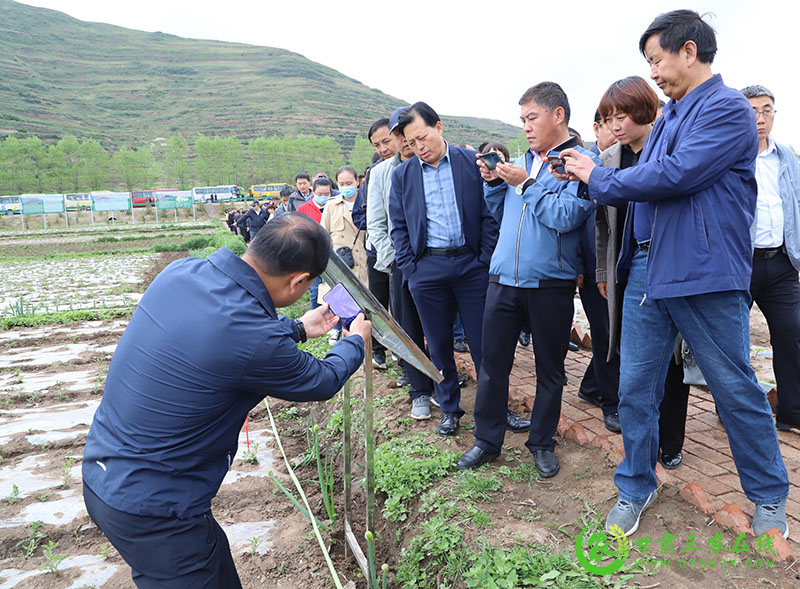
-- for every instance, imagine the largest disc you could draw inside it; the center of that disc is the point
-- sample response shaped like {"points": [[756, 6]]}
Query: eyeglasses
{"points": [[768, 112]]}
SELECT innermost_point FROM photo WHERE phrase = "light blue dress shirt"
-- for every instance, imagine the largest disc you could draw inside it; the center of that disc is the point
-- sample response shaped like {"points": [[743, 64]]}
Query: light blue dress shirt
{"points": [[444, 223]]}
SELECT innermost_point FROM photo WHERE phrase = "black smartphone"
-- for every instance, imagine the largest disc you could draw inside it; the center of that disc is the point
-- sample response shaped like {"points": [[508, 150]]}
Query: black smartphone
{"points": [[491, 159], [556, 161]]}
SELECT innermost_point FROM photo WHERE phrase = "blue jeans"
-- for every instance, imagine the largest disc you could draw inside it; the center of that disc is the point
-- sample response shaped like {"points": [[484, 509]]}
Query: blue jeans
{"points": [[313, 291], [716, 328]]}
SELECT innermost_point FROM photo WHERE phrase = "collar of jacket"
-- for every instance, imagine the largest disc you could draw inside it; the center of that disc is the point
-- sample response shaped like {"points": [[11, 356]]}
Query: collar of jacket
{"points": [[245, 276]]}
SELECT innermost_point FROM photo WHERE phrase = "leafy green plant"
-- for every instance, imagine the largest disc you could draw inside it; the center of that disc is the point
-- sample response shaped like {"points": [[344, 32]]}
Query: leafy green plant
{"points": [[31, 542], [42, 497], [251, 456], [406, 466], [51, 560], [325, 468], [254, 542], [66, 471], [437, 553], [474, 486], [105, 552], [14, 496]]}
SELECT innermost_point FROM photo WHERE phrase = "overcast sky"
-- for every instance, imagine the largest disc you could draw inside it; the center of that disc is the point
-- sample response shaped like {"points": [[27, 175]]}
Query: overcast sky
{"points": [[477, 58]]}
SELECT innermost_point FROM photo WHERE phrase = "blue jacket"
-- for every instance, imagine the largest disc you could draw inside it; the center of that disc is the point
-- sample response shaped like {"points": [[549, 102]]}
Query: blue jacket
{"points": [[539, 230], [702, 193], [407, 210], [203, 347], [789, 187]]}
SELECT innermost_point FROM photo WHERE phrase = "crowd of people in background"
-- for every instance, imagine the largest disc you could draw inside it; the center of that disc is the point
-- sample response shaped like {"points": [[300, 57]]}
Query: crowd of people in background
{"points": [[677, 218]]}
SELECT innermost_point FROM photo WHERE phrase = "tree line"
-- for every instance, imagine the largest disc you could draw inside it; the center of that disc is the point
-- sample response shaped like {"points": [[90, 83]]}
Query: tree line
{"points": [[29, 165]]}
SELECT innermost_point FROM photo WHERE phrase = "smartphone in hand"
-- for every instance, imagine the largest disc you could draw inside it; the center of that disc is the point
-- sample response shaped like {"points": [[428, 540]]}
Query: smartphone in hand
{"points": [[491, 159], [556, 161], [342, 303]]}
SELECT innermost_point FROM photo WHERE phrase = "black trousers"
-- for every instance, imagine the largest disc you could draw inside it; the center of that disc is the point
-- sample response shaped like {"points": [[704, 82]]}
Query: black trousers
{"points": [[547, 312], [672, 411], [405, 313], [601, 378], [165, 552], [379, 287], [775, 289]]}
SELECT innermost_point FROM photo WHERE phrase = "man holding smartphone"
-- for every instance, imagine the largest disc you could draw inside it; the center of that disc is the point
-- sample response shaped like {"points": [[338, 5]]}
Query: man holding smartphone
{"points": [[687, 258], [532, 278]]}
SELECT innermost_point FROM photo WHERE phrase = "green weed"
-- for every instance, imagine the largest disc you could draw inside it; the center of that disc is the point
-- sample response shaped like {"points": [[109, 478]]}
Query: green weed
{"points": [[51, 559]]}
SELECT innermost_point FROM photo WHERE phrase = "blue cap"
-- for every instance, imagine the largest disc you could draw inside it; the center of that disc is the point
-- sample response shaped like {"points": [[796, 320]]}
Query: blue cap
{"points": [[394, 119]]}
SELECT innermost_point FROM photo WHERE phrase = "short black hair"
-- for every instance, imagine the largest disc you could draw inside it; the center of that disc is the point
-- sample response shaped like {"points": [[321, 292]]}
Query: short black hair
{"points": [[302, 176], [421, 109], [548, 95], [597, 118], [293, 242], [377, 125], [322, 181], [757, 91], [676, 28], [488, 146]]}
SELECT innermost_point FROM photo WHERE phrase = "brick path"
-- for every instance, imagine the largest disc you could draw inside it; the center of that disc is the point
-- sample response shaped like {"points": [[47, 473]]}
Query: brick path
{"points": [[707, 458]]}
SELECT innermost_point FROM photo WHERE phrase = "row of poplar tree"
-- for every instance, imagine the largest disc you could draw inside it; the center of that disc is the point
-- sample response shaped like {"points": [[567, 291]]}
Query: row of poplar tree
{"points": [[28, 165]]}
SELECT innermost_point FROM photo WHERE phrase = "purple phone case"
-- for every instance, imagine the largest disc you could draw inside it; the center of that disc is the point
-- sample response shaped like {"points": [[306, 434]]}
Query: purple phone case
{"points": [[342, 303]]}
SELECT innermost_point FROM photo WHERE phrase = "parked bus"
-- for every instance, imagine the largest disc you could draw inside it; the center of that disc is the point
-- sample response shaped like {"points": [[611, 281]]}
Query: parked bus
{"points": [[10, 205], [144, 198], [80, 201], [203, 193], [259, 191]]}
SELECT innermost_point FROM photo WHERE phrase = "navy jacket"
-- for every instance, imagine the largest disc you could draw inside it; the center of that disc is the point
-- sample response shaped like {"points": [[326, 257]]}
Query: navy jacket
{"points": [[203, 347], [407, 210], [702, 193], [257, 220]]}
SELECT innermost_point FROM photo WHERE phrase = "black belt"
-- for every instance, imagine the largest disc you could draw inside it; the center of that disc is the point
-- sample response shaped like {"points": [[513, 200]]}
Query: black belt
{"points": [[645, 245], [767, 252], [448, 252]]}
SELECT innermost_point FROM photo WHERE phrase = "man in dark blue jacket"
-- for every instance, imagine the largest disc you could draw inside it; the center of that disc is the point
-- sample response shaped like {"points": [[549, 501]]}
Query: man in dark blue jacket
{"points": [[256, 219], [444, 236], [687, 257], [203, 347]]}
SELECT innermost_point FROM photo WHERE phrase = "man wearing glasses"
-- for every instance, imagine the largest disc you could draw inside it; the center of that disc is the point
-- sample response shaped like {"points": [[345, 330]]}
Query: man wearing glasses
{"points": [[774, 285]]}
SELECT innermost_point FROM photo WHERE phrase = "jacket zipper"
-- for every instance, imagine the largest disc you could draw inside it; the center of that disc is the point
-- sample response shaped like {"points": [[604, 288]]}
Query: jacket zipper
{"points": [[647, 257], [519, 237], [558, 234]]}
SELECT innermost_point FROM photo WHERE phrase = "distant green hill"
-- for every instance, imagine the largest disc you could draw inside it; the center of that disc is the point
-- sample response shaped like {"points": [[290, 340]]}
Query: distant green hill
{"points": [[61, 76]]}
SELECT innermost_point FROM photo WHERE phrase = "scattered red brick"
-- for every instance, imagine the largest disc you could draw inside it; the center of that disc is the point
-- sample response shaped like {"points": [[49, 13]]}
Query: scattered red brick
{"points": [[731, 516], [577, 433], [783, 553], [697, 496]]}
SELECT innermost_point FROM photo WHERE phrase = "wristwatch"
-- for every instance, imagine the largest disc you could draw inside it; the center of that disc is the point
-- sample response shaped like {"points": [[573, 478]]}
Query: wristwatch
{"points": [[525, 185], [301, 331]]}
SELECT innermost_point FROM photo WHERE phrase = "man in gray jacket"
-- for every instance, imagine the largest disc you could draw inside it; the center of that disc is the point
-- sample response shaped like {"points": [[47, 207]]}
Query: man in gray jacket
{"points": [[379, 228], [774, 285]]}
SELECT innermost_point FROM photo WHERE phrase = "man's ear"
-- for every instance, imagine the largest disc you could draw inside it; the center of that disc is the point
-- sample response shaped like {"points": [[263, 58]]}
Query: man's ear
{"points": [[689, 51], [300, 281]]}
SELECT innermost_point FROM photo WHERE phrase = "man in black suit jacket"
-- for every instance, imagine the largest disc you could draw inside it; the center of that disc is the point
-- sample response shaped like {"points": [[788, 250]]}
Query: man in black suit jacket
{"points": [[444, 237]]}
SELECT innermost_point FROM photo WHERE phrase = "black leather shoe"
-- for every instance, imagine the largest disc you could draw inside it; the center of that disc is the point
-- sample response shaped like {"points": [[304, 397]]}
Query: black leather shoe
{"points": [[517, 424], [573, 347], [524, 339], [462, 381], [593, 399], [448, 426], [787, 427], [403, 381], [612, 422], [671, 461], [460, 346], [546, 463], [566, 380], [475, 457]]}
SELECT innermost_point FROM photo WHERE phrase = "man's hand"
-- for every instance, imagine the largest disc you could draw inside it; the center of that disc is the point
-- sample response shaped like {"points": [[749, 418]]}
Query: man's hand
{"points": [[317, 323], [511, 174], [602, 288], [360, 326], [577, 165], [486, 173]]}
